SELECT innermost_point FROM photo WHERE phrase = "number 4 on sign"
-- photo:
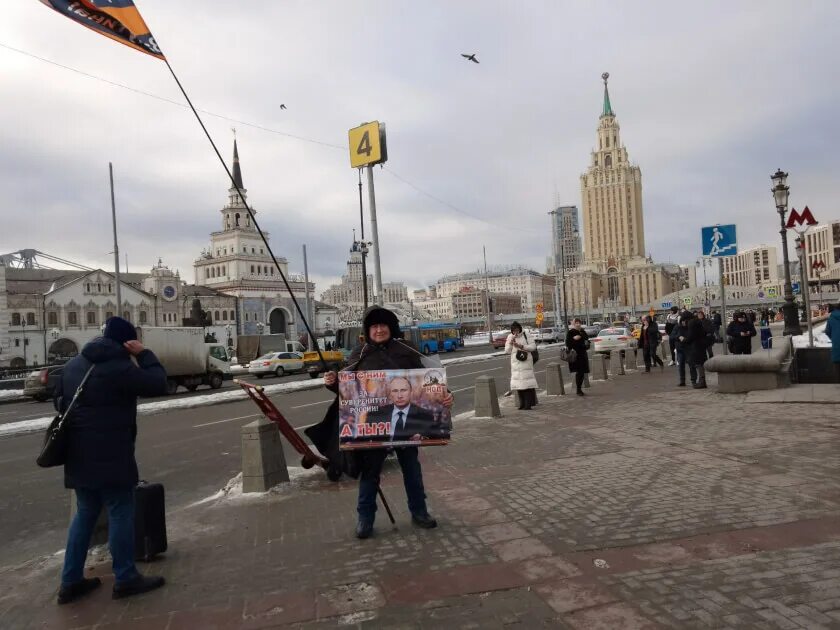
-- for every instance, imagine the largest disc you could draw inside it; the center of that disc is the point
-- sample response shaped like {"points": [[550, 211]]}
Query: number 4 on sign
{"points": [[364, 145], [367, 145]]}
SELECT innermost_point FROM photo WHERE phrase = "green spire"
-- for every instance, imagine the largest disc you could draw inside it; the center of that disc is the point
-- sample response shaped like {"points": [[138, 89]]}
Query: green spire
{"points": [[607, 106]]}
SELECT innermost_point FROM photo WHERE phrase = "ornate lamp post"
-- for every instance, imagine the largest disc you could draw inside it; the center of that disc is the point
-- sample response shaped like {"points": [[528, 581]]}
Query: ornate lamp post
{"points": [[228, 329], [260, 327], [781, 193], [23, 329], [705, 262]]}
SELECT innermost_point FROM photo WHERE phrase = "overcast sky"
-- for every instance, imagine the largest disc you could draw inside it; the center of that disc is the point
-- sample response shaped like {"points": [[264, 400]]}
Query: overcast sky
{"points": [[711, 99]]}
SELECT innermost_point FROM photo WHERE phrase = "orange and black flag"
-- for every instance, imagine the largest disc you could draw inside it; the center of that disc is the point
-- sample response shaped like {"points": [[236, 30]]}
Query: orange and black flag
{"points": [[118, 19]]}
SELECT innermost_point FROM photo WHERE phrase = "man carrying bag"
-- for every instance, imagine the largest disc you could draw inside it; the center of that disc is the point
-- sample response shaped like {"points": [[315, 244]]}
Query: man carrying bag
{"points": [[99, 433]]}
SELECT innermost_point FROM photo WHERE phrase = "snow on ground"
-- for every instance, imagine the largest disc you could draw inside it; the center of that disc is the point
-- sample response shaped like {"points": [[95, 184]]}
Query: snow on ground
{"points": [[821, 340], [232, 492], [10, 394]]}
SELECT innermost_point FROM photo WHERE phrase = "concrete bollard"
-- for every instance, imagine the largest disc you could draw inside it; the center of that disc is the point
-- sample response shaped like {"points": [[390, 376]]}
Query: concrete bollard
{"points": [[554, 385], [586, 382], [486, 398], [263, 460], [599, 367], [100, 530], [616, 363]]}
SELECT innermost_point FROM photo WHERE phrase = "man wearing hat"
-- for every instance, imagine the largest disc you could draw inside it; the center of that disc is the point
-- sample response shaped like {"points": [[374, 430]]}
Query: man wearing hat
{"points": [[384, 349], [100, 465]]}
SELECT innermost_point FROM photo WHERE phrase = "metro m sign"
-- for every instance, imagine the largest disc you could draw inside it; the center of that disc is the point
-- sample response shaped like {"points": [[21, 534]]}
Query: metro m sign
{"points": [[796, 218]]}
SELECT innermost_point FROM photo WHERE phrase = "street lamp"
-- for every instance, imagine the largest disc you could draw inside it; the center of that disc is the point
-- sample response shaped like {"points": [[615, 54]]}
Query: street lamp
{"points": [[23, 329], [781, 193], [260, 327], [228, 329], [704, 262]]}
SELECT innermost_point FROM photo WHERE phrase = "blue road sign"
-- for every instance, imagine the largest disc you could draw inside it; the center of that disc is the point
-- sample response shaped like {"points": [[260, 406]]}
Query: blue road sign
{"points": [[666, 304], [795, 287], [719, 240]]}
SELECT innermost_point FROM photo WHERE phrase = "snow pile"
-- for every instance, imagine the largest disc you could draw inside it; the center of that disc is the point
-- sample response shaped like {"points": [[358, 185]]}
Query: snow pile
{"points": [[232, 491], [821, 340], [10, 394]]}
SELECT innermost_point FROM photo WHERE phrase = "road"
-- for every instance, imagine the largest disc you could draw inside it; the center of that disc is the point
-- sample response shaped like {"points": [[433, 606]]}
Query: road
{"points": [[193, 452], [29, 409]]}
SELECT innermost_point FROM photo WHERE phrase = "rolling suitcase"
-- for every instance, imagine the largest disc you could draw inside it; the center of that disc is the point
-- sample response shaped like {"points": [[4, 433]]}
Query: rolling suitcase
{"points": [[149, 521]]}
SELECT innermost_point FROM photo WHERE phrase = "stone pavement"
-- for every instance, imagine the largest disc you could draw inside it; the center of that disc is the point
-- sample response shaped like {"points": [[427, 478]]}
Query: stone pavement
{"points": [[639, 506]]}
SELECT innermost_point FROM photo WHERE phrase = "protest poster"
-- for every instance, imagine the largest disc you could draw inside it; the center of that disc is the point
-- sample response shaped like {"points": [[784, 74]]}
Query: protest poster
{"points": [[379, 408]]}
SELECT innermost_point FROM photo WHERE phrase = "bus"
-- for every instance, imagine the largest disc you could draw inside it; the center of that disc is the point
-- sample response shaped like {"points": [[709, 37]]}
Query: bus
{"points": [[434, 337]]}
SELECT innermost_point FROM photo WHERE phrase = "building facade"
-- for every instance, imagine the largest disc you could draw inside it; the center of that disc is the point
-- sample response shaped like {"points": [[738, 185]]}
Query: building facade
{"points": [[615, 273], [822, 250], [566, 235], [532, 288], [753, 267]]}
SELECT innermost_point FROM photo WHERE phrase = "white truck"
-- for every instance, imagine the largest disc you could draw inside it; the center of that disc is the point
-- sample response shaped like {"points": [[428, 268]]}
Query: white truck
{"points": [[189, 361]]}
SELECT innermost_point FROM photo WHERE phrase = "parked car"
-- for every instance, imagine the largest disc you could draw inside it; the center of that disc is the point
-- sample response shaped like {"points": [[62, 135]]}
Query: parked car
{"points": [[41, 384], [613, 339], [277, 363], [499, 340], [547, 335], [592, 331]]}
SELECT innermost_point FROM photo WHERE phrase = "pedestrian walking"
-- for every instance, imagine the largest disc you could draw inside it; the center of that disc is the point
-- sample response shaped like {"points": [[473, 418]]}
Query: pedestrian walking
{"points": [[384, 349], [709, 329], [696, 345], [100, 465], [740, 332], [832, 331], [578, 340], [717, 322], [523, 381], [649, 339], [671, 321], [679, 337]]}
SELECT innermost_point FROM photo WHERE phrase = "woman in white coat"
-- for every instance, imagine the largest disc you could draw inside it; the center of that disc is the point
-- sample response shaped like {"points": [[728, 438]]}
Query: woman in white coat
{"points": [[522, 378]]}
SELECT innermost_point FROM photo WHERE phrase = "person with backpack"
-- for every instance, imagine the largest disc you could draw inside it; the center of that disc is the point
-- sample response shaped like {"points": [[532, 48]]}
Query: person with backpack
{"points": [[523, 381], [578, 340]]}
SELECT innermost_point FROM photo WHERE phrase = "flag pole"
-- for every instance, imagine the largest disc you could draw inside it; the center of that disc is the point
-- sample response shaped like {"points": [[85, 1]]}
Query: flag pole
{"points": [[116, 247], [253, 218]]}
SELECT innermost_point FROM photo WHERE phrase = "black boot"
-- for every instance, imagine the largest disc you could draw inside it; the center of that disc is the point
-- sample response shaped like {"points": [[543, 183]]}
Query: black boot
{"points": [[140, 584], [77, 590], [364, 529], [423, 521]]}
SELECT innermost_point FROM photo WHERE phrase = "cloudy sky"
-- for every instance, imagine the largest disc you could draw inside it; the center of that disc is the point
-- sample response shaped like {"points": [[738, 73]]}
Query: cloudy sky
{"points": [[711, 99]]}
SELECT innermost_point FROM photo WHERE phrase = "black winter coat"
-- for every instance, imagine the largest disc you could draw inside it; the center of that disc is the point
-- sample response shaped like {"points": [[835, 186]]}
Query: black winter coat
{"points": [[741, 344], [102, 425], [695, 342], [581, 362]]}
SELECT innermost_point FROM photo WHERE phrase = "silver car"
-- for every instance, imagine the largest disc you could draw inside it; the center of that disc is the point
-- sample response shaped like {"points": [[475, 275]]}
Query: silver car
{"points": [[614, 339]]}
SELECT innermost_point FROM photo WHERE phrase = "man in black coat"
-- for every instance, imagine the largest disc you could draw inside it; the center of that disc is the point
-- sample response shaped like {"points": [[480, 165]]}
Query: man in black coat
{"points": [[100, 465], [385, 350], [741, 331], [678, 339], [408, 421], [694, 343]]}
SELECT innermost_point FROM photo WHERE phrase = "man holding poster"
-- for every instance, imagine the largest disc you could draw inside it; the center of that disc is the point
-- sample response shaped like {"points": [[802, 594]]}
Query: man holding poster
{"points": [[391, 370]]}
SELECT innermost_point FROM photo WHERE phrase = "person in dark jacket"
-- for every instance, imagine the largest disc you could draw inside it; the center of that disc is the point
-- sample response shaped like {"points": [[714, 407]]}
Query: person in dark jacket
{"points": [[709, 328], [671, 322], [678, 341], [578, 340], [694, 344], [741, 331], [649, 339], [385, 350], [100, 465]]}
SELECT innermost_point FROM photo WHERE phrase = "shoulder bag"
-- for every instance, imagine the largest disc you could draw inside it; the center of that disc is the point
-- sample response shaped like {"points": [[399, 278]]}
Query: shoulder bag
{"points": [[54, 449], [535, 354]]}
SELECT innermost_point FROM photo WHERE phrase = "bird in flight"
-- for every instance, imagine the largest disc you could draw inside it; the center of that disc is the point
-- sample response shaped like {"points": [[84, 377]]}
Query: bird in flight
{"points": [[282, 106], [470, 57]]}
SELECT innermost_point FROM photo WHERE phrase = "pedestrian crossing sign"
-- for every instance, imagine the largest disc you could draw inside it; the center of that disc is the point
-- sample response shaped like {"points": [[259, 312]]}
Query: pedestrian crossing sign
{"points": [[719, 240], [772, 292]]}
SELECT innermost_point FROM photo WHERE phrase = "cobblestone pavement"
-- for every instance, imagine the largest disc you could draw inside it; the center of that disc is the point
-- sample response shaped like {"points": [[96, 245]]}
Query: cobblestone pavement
{"points": [[638, 506]]}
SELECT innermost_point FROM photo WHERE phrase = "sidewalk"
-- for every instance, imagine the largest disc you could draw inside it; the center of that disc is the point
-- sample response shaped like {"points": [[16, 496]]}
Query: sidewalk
{"points": [[639, 506]]}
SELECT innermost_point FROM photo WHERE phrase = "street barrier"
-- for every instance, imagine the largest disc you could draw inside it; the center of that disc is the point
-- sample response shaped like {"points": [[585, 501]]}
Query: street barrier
{"points": [[554, 385], [263, 460], [616, 363], [486, 398], [599, 367], [738, 373]]}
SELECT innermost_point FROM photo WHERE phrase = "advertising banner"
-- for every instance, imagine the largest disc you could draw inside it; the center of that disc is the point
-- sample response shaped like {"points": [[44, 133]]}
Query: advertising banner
{"points": [[381, 408]]}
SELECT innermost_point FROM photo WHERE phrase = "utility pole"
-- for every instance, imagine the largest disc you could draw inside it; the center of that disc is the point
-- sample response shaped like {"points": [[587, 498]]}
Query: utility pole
{"points": [[724, 322], [558, 263], [306, 292], [363, 245], [487, 297], [377, 265], [116, 247]]}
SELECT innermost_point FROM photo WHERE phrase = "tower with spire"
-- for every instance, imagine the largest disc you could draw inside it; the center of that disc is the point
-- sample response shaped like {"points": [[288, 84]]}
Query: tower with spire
{"points": [[237, 263]]}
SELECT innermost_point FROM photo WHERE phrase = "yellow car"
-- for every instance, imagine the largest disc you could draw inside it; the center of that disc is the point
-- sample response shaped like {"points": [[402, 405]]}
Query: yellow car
{"points": [[277, 363]]}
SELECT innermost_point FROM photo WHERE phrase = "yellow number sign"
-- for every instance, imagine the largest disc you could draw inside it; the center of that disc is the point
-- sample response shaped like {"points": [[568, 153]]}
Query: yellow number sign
{"points": [[365, 147], [539, 319]]}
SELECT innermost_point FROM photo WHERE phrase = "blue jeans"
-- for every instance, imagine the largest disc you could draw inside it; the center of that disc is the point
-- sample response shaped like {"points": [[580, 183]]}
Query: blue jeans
{"points": [[120, 505], [682, 359], [412, 479]]}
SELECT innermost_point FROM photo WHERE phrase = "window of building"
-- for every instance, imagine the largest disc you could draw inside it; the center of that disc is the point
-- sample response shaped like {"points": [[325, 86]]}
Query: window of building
{"points": [[52, 318], [127, 316], [261, 250], [252, 268], [143, 317], [72, 318], [99, 287], [216, 315], [91, 318], [17, 343], [253, 250], [109, 315], [15, 319]]}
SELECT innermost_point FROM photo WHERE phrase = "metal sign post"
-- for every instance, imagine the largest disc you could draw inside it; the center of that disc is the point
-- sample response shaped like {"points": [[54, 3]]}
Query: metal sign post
{"points": [[723, 319], [374, 235], [719, 241]]}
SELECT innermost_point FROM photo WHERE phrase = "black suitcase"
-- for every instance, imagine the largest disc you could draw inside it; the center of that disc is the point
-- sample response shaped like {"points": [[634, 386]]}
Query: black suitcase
{"points": [[149, 521]]}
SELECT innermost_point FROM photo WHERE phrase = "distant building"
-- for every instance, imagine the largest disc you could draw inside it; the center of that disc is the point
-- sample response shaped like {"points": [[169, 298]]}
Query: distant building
{"points": [[753, 267], [350, 292], [822, 246], [530, 286], [566, 236]]}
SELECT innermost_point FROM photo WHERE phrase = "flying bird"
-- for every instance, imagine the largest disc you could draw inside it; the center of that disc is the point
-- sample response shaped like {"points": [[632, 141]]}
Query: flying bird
{"points": [[470, 57], [282, 106]]}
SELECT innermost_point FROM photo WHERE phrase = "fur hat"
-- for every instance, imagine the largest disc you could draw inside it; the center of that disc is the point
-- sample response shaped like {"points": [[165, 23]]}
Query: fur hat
{"points": [[380, 315], [119, 330]]}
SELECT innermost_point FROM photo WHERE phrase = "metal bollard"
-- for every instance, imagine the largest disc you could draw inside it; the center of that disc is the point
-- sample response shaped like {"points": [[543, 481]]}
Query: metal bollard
{"points": [[263, 460], [486, 398], [554, 385]]}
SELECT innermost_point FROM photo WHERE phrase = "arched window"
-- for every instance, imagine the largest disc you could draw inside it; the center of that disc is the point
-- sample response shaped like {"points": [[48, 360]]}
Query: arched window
{"points": [[15, 319], [236, 218], [91, 318], [608, 161], [52, 318], [216, 315], [608, 142], [143, 317], [252, 268], [108, 315], [127, 316]]}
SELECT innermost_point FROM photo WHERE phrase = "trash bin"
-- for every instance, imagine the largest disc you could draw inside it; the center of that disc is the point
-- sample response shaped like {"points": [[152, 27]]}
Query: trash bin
{"points": [[766, 338]]}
